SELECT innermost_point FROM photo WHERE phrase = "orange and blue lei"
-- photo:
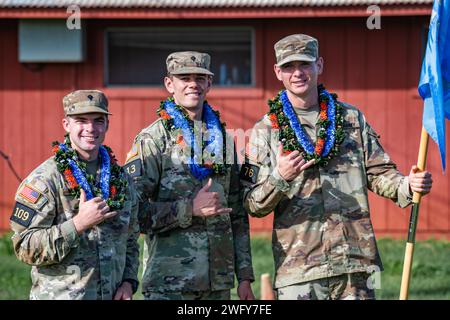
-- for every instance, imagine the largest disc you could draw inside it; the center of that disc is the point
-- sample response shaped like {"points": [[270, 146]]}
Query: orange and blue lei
{"points": [[112, 183], [330, 133]]}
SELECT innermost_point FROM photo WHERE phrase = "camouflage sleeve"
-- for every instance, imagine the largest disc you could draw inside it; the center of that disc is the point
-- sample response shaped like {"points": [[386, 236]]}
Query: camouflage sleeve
{"points": [[145, 168], [383, 178], [240, 226], [264, 187], [37, 239], [132, 257]]}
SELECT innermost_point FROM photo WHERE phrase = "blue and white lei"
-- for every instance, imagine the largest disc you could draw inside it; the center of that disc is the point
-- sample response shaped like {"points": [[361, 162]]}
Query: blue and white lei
{"points": [[214, 145]]}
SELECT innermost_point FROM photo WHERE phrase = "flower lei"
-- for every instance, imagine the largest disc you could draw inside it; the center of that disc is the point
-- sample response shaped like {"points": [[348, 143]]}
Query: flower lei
{"points": [[175, 117], [112, 178], [330, 132]]}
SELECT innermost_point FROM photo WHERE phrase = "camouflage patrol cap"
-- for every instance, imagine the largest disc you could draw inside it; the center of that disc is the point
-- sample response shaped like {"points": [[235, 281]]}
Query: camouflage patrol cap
{"points": [[85, 101], [296, 47], [188, 62]]}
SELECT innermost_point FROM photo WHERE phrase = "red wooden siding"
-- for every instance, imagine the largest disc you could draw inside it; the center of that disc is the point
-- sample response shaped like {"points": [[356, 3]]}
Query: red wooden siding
{"points": [[375, 70]]}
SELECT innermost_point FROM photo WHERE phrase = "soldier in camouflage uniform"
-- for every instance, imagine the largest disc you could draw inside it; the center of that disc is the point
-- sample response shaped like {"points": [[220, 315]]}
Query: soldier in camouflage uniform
{"points": [[323, 241], [79, 248], [197, 233]]}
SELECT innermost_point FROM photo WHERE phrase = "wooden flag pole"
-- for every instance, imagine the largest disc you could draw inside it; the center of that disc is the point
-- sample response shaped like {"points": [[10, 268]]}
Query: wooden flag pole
{"points": [[409, 251]]}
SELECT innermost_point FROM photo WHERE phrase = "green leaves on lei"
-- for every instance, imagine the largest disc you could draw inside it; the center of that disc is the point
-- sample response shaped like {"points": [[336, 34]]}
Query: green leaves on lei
{"points": [[117, 183], [287, 135]]}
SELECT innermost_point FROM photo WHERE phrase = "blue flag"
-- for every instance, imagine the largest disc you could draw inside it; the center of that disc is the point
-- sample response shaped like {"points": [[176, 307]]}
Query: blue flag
{"points": [[434, 84]]}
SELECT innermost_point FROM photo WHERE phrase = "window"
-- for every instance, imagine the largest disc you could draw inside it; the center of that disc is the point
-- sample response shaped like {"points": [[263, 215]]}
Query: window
{"points": [[137, 57]]}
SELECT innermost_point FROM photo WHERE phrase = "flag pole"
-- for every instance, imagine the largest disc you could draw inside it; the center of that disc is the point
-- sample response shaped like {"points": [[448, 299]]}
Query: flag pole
{"points": [[409, 251]]}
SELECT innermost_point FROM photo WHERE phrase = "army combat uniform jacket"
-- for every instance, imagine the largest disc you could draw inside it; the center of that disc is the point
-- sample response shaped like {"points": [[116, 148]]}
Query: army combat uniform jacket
{"points": [[67, 265], [184, 253], [322, 225]]}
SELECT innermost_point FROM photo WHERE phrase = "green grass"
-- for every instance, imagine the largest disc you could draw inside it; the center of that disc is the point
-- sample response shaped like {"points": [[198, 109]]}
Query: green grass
{"points": [[430, 272], [15, 281]]}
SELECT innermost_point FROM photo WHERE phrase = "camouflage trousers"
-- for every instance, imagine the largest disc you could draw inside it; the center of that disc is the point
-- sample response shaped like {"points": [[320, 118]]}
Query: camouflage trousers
{"points": [[194, 295], [351, 286]]}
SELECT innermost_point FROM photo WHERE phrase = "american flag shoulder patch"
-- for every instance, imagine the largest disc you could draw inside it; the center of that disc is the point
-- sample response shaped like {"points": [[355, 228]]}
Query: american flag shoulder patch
{"points": [[30, 194]]}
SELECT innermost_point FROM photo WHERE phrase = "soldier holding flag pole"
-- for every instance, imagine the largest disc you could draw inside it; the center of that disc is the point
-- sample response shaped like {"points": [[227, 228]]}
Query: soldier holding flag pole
{"points": [[314, 158]]}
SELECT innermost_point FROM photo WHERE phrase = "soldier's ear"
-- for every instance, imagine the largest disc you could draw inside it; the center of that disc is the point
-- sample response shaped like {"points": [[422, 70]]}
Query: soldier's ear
{"points": [[277, 71], [65, 123], [168, 82], [319, 63]]}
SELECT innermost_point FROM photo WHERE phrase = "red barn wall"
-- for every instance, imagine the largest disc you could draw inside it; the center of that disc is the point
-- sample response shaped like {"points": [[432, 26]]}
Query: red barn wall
{"points": [[376, 70]]}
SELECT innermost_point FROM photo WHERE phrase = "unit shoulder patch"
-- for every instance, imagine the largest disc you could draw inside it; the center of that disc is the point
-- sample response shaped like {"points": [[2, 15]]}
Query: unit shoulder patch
{"points": [[133, 168], [249, 172], [133, 153], [22, 214]]}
